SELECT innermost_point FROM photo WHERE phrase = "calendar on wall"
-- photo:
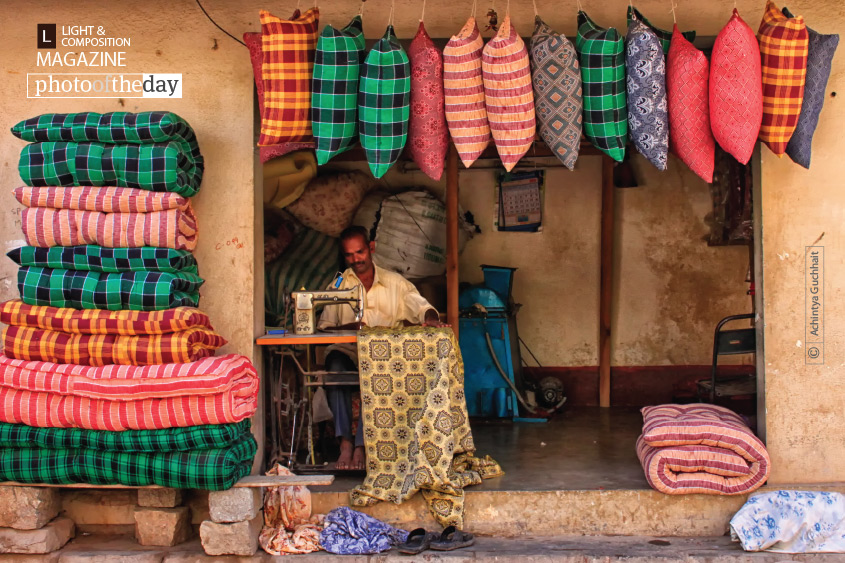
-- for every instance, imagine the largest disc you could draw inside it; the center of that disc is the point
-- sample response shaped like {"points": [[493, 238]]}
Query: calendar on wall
{"points": [[519, 205]]}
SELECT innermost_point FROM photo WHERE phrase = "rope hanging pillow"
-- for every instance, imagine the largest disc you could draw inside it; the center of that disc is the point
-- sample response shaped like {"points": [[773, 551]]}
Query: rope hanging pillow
{"points": [[428, 136], [288, 48], [602, 56], [648, 116], [736, 92], [783, 46], [466, 112], [334, 96], [384, 103], [506, 72], [556, 77], [820, 52], [664, 36], [687, 76]]}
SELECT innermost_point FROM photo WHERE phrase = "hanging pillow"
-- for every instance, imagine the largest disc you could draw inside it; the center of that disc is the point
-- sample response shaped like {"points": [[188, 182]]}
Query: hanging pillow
{"points": [[288, 48], [463, 88], [506, 72], [428, 137], [663, 35], [556, 77], [819, 55], [783, 46], [736, 92], [648, 116], [602, 56], [334, 97], [687, 76]]}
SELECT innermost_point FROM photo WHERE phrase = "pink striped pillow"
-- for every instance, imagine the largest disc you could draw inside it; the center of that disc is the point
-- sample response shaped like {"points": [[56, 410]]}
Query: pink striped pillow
{"points": [[509, 94]]}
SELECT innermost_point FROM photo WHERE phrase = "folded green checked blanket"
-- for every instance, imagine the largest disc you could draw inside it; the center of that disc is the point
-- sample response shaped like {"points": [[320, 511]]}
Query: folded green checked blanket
{"points": [[80, 289], [188, 438], [101, 259], [158, 167], [210, 469]]}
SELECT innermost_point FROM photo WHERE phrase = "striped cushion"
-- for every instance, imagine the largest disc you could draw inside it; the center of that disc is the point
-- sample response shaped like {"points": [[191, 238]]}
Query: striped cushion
{"points": [[783, 46], [288, 47], [428, 136], [648, 114], [384, 97], [664, 36], [687, 75], [509, 96], [556, 77], [820, 52], [602, 55], [466, 111], [334, 100], [736, 92], [700, 448]]}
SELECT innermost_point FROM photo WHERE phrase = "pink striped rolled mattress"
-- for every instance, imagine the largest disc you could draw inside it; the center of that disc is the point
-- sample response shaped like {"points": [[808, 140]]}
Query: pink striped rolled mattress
{"points": [[214, 390], [111, 217], [700, 448]]}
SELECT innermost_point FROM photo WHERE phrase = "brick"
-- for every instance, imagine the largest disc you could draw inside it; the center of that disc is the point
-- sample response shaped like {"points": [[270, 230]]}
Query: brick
{"points": [[112, 557], [43, 540], [160, 498], [28, 508], [239, 538], [235, 505], [162, 526], [101, 507]]}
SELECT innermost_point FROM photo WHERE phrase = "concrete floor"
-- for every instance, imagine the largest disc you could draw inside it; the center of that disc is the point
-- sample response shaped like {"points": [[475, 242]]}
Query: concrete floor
{"points": [[584, 448]]}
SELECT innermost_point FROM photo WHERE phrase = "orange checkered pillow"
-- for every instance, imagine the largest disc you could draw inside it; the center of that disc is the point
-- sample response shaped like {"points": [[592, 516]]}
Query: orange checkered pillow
{"points": [[783, 45], [288, 48]]}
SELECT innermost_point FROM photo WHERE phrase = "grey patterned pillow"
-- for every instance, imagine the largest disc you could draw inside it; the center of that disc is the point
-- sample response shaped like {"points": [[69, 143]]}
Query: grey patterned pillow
{"points": [[819, 54], [648, 114]]}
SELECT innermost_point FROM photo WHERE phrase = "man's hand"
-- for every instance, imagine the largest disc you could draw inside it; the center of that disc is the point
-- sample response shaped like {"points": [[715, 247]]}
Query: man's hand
{"points": [[432, 319]]}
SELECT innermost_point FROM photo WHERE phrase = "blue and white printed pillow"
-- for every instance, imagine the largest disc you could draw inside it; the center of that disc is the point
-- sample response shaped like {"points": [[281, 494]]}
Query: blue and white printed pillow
{"points": [[648, 111]]}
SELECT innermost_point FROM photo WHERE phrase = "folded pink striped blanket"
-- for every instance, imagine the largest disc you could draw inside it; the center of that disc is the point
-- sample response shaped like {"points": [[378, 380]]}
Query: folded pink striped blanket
{"points": [[700, 448], [215, 390], [110, 217]]}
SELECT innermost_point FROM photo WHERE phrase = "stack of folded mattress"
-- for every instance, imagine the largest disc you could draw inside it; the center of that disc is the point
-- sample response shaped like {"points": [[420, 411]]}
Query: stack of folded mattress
{"points": [[108, 374]]}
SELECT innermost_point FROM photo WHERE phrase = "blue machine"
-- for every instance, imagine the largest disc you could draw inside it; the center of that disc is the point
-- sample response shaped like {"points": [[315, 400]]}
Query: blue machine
{"points": [[488, 310]]}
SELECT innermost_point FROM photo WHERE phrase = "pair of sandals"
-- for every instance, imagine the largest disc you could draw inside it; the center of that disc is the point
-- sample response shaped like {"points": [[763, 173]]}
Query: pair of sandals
{"points": [[451, 538]]}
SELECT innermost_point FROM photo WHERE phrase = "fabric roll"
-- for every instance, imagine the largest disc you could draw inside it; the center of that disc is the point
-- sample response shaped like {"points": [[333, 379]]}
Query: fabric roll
{"points": [[107, 199], [212, 470], [508, 93], [158, 167], [218, 390], [79, 289], [97, 321], [101, 259], [463, 89]]}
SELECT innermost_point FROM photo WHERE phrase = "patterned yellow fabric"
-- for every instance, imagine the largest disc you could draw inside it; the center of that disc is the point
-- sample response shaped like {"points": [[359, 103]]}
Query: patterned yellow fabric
{"points": [[416, 429]]}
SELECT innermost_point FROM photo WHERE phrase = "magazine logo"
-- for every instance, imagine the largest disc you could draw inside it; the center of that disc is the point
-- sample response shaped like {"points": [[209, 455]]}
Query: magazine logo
{"points": [[103, 85], [46, 36]]}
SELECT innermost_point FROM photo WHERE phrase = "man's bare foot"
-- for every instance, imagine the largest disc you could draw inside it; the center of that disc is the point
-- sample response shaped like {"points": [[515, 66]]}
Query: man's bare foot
{"points": [[358, 458], [345, 459]]}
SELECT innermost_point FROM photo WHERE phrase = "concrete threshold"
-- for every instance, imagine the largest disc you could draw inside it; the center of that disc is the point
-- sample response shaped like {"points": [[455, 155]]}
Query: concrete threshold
{"points": [[548, 549]]}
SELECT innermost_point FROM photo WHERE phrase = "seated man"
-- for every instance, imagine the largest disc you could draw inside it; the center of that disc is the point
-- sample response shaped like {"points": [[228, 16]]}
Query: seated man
{"points": [[389, 301]]}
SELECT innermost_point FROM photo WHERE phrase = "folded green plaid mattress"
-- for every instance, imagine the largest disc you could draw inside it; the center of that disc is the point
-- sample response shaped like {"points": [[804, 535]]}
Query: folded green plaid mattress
{"points": [[101, 259], [82, 289], [210, 469]]}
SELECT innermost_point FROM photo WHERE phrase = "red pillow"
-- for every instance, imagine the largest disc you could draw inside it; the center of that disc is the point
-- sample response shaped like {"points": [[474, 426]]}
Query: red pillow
{"points": [[687, 75], [736, 89], [428, 139]]}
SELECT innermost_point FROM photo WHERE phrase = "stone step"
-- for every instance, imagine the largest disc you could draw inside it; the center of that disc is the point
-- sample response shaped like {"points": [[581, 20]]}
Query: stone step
{"points": [[550, 549]]}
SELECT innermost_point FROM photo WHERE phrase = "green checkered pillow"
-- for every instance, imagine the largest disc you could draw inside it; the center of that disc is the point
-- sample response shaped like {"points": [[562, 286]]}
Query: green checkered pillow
{"points": [[664, 36], [384, 98], [334, 89], [602, 56]]}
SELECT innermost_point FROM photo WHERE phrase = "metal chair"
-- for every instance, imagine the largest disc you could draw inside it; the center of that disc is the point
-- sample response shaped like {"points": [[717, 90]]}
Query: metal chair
{"points": [[731, 342]]}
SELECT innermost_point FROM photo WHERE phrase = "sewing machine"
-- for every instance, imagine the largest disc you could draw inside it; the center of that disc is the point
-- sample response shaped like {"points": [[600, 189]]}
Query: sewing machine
{"points": [[306, 301]]}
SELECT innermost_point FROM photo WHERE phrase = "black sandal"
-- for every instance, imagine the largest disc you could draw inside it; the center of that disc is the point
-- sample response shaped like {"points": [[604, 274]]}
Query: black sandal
{"points": [[418, 541], [452, 538]]}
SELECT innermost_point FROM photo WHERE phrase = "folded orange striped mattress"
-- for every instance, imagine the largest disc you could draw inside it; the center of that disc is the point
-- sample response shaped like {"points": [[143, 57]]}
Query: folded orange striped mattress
{"points": [[111, 217], [700, 448], [40, 334], [217, 390]]}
